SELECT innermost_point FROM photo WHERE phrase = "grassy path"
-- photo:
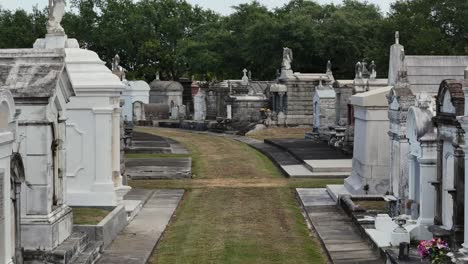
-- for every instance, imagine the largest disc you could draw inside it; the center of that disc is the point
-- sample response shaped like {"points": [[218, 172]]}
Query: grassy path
{"points": [[238, 208]]}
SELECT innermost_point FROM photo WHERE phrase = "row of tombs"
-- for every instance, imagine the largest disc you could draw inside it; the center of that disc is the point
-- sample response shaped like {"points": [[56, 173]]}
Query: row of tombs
{"points": [[60, 147], [408, 143]]}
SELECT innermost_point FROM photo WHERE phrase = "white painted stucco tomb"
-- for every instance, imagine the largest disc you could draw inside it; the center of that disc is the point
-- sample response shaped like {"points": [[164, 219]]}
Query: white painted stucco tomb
{"points": [[422, 162], [410, 76], [11, 178], [135, 95], [93, 129], [40, 86], [371, 145], [449, 184]]}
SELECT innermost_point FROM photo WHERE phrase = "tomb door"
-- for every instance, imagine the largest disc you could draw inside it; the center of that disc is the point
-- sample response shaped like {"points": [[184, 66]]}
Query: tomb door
{"points": [[58, 162], [317, 115], [137, 111], [447, 186], [17, 177]]}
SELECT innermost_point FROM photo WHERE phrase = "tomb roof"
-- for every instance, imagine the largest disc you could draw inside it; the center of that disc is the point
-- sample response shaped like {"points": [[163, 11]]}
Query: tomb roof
{"points": [[166, 86], [88, 73], [453, 88], [32, 73], [425, 73], [375, 97], [419, 124], [138, 85]]}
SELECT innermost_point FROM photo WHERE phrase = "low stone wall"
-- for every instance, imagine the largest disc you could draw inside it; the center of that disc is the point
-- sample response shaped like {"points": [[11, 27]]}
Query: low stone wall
{"points": [[109, 227]]}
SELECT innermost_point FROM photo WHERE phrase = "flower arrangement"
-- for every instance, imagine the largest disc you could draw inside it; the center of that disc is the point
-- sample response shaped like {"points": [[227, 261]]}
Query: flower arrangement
{"points": [[435, 250]]}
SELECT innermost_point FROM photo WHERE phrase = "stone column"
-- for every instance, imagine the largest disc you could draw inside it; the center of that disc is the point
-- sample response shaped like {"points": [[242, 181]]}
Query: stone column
{"points": [[464, 123], [428, 174], [103, 147], [120, 189], [458, 197], [116, 177], [438, 184], [281, 95]]}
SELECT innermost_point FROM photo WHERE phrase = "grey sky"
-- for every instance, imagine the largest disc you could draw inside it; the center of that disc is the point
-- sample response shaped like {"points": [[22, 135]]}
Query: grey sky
{"points": [[220, 6]]}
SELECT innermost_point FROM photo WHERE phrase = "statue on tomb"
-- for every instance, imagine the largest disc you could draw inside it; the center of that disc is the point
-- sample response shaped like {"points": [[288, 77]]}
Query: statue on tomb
{"points": [[358, 70], [397, 37], [365, 71], [245, 79], [56, 12], [287, 59], [117, 69], [329, 66], [373, 72]]}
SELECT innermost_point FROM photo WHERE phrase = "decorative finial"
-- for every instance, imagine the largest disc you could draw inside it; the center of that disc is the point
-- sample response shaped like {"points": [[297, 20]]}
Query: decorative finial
{"points": [[397, 37], [329, 66]]}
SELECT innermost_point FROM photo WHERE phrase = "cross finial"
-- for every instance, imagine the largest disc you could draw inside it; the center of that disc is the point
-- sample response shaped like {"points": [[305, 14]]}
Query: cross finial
{"points": [[397, 37]]}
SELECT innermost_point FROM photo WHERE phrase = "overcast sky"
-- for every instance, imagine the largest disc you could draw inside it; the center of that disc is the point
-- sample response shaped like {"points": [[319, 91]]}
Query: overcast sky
{"points": [[220, 6]]}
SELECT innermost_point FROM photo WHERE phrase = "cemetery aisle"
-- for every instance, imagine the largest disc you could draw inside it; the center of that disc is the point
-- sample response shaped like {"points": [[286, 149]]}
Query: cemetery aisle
{"points": [[238, 208]]}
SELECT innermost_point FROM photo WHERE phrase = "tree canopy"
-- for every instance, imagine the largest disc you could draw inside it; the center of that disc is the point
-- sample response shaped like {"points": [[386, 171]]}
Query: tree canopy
{"points": [[178, 39]]}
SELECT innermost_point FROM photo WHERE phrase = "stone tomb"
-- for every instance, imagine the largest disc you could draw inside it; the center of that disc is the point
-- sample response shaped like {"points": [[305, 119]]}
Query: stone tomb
{"points": [[371, 146], [300, 90], [464, 124], [93, 129], [411, 76], [10, 183], [324, 107], [449, 184], [135, 95], [399, 99], [421, 162], [39, 83]]}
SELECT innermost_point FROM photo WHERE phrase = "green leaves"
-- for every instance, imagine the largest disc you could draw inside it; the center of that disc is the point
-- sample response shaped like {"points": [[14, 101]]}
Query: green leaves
{"points": [[178, 39]]}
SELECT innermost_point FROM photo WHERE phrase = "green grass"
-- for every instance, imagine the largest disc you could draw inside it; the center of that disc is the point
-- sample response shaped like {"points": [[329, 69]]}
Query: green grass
{"points": [[88, 216], [238, 207]]}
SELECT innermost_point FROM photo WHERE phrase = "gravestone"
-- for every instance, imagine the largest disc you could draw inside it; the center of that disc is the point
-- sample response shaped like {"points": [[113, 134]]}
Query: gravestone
{"points": [[175, 113], [324, 107], [199, 101]]}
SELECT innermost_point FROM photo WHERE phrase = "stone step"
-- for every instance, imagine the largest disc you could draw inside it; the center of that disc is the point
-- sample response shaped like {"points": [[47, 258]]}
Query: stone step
{"points": [[90, 255], [337, 175], [330, 165], [62, 254]]}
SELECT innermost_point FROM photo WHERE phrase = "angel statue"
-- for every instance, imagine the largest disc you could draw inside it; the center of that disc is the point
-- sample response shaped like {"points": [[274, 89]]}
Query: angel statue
{"points": [[287, 59], [56, 12]]}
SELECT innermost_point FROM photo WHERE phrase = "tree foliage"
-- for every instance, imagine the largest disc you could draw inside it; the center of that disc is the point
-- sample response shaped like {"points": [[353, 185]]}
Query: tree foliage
{"points": [[177, 39]]}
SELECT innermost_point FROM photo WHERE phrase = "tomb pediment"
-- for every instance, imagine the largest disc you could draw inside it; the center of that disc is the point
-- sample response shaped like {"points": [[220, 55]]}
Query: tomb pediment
{"points": [[419, 124], [400, 98], [450, 98], [32, 74]]}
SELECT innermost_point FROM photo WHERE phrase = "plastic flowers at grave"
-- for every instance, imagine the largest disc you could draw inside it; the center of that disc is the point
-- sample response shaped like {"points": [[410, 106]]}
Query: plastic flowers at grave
{"points": [[435, 250]]}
